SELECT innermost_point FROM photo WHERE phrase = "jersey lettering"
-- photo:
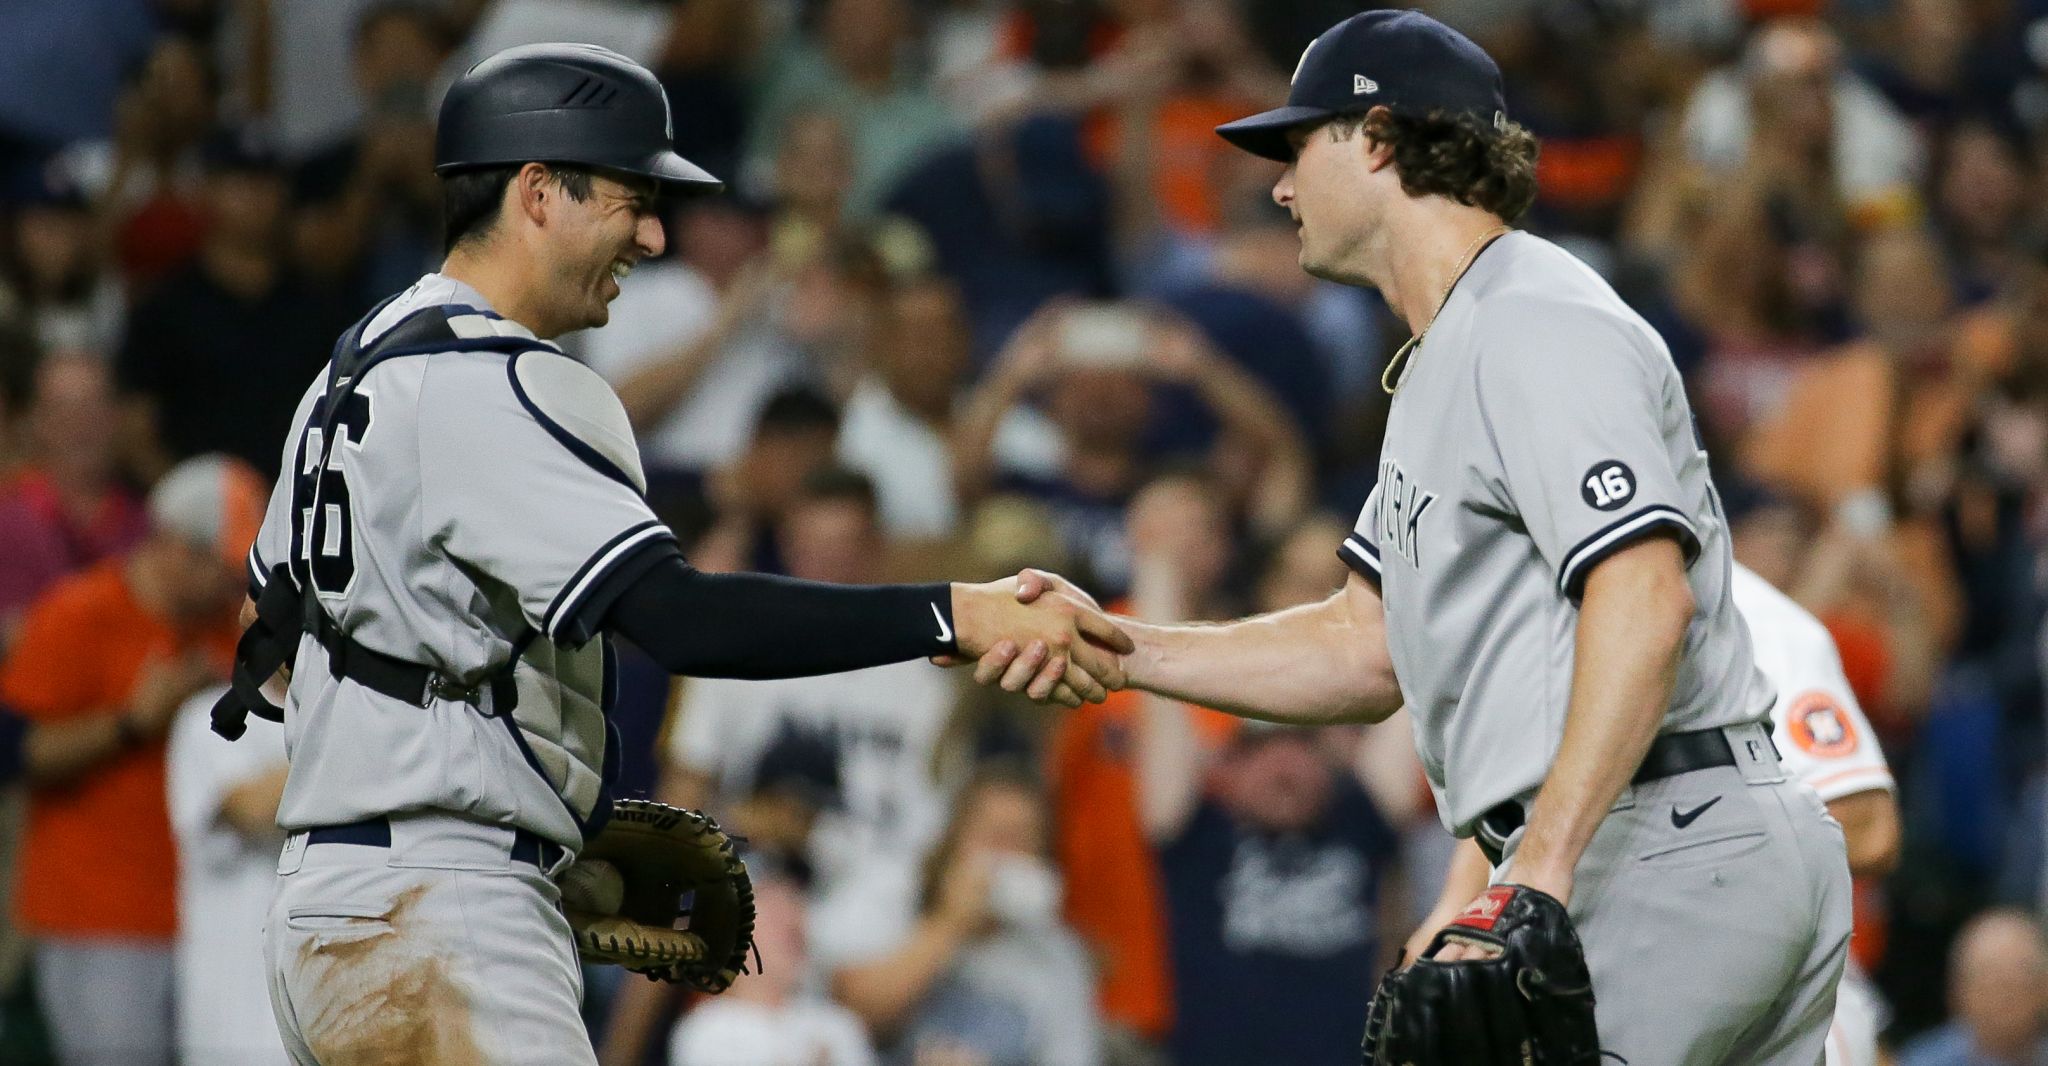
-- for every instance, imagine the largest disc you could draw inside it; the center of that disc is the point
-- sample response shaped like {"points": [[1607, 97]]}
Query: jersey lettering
{"points": [[1402, 504], [323, 513]]}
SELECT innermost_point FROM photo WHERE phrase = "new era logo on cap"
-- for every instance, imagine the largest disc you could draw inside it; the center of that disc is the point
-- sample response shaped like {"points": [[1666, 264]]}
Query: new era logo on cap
{"points": [[1361, 85]]}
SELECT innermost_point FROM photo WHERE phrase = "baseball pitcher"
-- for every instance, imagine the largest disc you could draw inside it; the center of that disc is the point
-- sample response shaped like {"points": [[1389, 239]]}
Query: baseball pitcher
{"points": [[1542, 576]]}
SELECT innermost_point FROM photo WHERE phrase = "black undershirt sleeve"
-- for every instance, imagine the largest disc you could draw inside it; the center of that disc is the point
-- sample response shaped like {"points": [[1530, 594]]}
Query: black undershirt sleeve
{"points": [[759, 626]]}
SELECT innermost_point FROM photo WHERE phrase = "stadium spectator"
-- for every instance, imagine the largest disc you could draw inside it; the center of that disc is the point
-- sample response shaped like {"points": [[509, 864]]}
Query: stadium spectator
{"points": [[146, 179], [19, 356], [793, 786], [881, 724], [1980, 205], [103, 662], [64, 510], [217, 356], [826, 775], [1299, 567], [855, 61], [769, 1018], [376, 185], [1272, 875], [302, 82], [63, 65], [1998, 995], [1175, 73], [1941, 61], [1791, 103], [964, 954], [1016, 216], [731, 326], [900, 415], [689, 352], [1095, 367], [52, 275], [223, 808], [1182, 540], [793, 439], [698, 63]]}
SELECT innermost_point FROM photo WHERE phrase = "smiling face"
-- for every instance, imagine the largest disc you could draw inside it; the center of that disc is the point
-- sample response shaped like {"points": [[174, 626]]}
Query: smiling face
{"points": [[1331, 190], [592, 244]]}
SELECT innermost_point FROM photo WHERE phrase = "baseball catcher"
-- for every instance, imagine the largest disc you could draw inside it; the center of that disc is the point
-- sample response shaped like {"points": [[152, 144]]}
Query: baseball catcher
{"points": [[1528, 1000]]}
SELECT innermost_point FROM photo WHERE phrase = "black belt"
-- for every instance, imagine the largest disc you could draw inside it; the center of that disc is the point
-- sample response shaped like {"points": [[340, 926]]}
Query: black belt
{"points": [[376, 833], [1670, 754]]}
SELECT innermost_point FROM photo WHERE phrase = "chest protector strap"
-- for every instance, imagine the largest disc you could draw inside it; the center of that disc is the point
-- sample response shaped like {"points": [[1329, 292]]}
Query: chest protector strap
{"points": [[286, 613]]}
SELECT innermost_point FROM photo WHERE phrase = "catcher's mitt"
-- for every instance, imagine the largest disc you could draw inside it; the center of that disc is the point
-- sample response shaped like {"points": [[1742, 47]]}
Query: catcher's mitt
{"points": [[627, 915], [1530, 1005]]}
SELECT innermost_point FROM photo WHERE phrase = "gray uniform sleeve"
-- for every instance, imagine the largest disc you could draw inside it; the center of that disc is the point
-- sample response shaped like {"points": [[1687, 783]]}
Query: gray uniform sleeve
{"points": [[1586, 415], [541, 493], [1361, 550]]}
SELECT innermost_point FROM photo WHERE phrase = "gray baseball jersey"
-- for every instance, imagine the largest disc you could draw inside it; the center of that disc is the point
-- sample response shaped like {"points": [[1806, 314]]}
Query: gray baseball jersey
{"points": [[1539, 427], [470, 496]]}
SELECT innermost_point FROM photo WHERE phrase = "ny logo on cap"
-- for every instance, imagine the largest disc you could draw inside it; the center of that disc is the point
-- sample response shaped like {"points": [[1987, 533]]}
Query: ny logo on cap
{"points": [[1361, 85]]}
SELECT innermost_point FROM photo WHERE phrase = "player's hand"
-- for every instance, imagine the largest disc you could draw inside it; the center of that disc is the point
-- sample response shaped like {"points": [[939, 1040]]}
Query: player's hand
{"points": [[1458, 950], [1418, 942], [1029, 667], [1048, 637]]}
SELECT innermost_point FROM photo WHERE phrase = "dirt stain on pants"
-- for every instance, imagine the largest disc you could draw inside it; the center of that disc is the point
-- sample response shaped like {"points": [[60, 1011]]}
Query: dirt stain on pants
{"points": [[381, 995]]}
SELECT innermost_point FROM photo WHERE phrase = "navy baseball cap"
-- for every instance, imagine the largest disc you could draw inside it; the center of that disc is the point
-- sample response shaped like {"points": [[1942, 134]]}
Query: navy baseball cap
{"points": [[1404, 60]]}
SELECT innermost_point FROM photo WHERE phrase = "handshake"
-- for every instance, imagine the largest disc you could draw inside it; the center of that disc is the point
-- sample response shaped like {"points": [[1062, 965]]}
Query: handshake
{"points": [[1039, 634]]}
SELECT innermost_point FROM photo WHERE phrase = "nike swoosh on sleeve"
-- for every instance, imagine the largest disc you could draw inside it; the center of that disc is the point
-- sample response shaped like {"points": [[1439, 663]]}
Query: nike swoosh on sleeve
{"points": [[945, 631]]}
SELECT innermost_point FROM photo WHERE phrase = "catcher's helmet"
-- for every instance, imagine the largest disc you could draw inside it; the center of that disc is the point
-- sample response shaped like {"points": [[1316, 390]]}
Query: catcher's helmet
{"points": [[563, 103]]}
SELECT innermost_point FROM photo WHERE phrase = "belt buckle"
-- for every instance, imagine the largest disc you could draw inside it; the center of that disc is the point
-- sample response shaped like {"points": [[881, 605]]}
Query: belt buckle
{"points": [[440, 687]]}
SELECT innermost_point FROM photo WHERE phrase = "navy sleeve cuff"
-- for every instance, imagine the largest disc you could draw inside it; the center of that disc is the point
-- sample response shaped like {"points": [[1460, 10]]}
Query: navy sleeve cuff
{"points": [[1611, 538], [1361, 557], [580, 607]]}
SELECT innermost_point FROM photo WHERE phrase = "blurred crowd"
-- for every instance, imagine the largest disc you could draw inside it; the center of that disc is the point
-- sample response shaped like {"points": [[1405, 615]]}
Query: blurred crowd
{"points": [[986, 291]]}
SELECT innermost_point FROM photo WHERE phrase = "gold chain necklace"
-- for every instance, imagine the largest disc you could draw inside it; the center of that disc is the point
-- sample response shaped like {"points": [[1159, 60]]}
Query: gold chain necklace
{"points": [[1390, 377]]}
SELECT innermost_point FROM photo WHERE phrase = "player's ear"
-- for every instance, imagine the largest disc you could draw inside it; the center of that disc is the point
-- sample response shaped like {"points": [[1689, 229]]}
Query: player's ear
{"points": [[1378, 153], [530, 193]]}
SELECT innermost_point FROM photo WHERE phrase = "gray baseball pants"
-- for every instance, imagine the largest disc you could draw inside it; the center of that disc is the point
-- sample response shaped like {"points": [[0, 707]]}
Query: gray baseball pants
{"points": [[1715, 911]]}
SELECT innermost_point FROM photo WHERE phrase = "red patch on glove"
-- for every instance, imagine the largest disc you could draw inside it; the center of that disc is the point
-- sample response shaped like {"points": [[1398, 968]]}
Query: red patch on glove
{"points": [[1485, 910]]}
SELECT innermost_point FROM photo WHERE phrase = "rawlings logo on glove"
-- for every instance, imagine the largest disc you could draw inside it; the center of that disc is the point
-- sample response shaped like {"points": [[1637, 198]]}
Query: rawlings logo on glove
{"points": [[1528, 1004]]}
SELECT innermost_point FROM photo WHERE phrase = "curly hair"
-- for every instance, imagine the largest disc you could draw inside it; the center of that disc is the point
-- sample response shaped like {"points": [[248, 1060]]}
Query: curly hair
{"points": [[1455, 155]]}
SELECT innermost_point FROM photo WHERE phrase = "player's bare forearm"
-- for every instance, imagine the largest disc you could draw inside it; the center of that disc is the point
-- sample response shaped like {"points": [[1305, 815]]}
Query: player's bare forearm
{"points": [[1870, 825], [1466, 878], [1316, 664], [1632, 624]]}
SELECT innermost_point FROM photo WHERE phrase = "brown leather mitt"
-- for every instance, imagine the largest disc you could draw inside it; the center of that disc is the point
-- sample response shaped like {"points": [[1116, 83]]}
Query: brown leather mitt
{"points": [[651, 865]]}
